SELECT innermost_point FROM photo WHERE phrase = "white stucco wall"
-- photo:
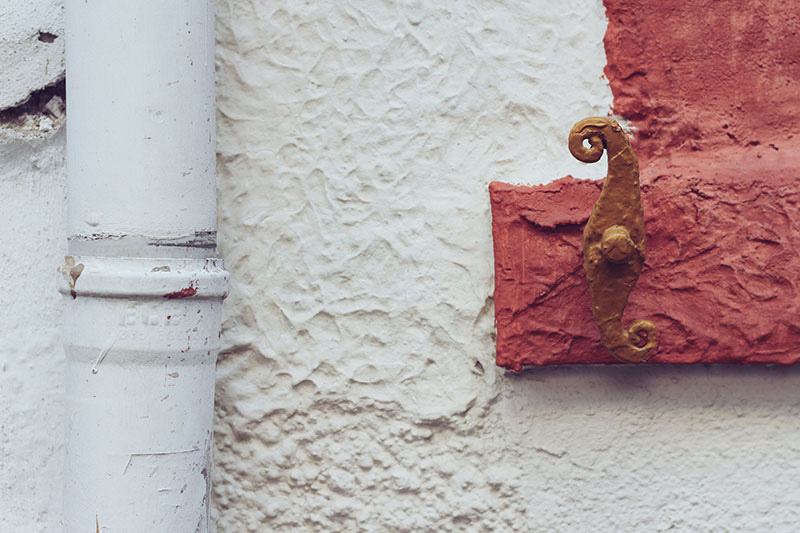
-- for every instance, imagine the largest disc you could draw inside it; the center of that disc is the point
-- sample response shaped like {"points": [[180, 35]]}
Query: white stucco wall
{"points": [[32, 212], [31, 47], [32, 216], [356, 388]]}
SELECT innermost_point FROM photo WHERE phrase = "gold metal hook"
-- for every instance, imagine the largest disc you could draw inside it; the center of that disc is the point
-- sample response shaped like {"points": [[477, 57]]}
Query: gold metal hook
{"points": [[613, 239]]}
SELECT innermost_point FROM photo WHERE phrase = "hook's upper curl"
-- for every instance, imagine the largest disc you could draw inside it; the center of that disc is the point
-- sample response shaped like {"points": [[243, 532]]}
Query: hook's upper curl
{"points": [[593, 129], [602, 133]]}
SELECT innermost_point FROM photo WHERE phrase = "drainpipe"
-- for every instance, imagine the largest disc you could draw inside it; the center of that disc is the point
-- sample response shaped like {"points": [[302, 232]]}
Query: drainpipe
{"points": [[143, 288]]}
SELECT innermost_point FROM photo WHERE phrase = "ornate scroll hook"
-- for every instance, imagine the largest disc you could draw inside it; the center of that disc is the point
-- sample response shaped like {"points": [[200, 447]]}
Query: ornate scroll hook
{"points": [[613, 239]]}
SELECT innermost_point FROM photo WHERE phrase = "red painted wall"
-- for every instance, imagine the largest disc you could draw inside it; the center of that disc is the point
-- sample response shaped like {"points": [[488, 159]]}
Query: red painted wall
{"points": [[705, 76]]}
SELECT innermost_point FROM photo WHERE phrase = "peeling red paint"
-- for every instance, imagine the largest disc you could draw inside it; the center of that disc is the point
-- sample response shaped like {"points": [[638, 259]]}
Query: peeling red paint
{"points": [[187, 292]]}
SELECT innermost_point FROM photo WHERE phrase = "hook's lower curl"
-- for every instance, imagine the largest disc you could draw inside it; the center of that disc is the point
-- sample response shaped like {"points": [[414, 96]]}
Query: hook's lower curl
{"points": [[638, 331]]}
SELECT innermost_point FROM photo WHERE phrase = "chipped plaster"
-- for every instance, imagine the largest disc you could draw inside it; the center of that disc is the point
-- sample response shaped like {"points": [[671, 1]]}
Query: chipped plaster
{"points": [[31, 48]]}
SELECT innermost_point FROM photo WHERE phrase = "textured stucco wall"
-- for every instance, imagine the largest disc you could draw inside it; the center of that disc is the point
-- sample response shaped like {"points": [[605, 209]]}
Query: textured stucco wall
{"points": [[31, 47], [32, 214], [32, 217], [357, 389]]}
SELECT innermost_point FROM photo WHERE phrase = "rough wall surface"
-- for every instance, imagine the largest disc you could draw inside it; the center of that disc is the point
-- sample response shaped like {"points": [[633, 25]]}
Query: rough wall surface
{"points": [[32, 218], [357, 391], [723, 252], [31, 48], [723, 79]]}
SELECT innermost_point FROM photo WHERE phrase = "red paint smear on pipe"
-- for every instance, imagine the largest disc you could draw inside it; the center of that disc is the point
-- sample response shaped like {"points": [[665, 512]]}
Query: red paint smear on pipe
{"points": [[187, 292]]}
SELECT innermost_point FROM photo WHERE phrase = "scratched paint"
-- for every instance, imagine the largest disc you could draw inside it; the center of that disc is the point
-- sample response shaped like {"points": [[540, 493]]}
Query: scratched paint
{"points": [[71, 272]]}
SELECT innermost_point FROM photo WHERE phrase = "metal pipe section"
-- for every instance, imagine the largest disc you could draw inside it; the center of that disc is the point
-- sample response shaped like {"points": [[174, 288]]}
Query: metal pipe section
{"points": [[142, 284]]}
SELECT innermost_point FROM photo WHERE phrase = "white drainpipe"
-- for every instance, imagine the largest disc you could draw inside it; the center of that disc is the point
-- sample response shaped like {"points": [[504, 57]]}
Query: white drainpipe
{"points": [[143, 289]]}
